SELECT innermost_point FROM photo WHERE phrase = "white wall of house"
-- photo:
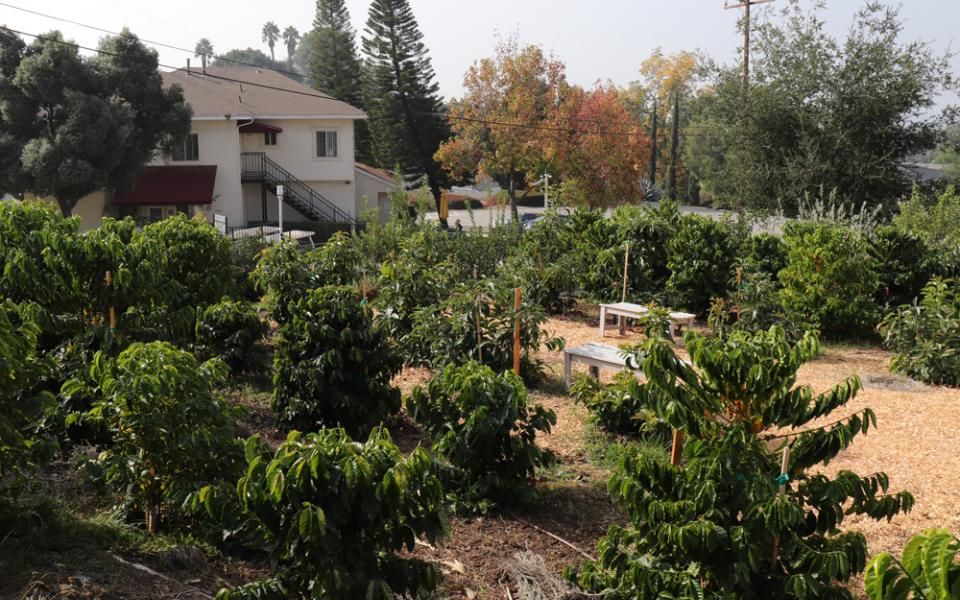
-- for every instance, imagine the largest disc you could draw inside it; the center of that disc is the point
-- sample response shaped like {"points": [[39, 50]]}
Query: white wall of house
{"points": [[373, 193], [218, 144]]}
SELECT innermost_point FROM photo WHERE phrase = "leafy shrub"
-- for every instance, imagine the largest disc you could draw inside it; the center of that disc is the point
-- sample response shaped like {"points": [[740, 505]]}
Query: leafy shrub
{"points": [[602, 245], [246, 254], [481, 424], [169, 434], [925, 335], [904, 264], [333, 365], [703, 253], [476, 323], [727, 522], [23, 403], [830, 282], [550, 285], [935, 222], [928, 569], [625, 406], [229, 330], [334, 513], [286, 272], [406, 285], [765, 253], [199, 260]]}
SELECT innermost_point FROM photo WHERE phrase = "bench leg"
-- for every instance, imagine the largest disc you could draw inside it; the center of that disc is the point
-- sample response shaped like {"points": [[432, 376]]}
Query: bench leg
{"points": [[603, 320], [567, 368], [622, 324], [594, 372]]}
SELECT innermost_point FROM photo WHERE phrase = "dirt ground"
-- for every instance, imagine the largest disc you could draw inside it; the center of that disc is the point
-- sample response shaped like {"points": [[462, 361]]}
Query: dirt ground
{"points": [[915, 444]]}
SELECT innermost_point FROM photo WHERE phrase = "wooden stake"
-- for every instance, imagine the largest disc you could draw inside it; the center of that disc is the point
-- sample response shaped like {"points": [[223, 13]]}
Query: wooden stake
{"points": [[111, 312], [626, 266], [676, 451], [517, 293], [784, 466]]}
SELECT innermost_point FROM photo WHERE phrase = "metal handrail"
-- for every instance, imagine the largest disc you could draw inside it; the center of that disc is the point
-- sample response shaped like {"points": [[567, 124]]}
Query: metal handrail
{"points": [[259, 164]]}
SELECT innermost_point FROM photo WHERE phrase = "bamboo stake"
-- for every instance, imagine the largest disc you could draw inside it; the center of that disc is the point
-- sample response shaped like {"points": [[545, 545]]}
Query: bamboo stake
{"points": [[784, 466], [626, 266], [676, 450], [517, 293]]}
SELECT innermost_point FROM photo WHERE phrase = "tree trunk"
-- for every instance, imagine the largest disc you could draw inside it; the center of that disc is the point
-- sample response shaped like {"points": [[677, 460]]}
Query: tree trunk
{"points": [[66, 204], [652, 172], [152, 506], [512, 193], [674, 147]]}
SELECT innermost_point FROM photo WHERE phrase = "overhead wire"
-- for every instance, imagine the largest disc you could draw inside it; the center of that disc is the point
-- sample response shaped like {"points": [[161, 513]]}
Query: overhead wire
{"points": [[317, 94]]}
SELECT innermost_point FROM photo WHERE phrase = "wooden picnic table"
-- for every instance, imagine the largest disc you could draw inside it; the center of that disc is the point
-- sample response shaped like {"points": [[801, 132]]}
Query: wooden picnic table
{"points": [[628, 310]]}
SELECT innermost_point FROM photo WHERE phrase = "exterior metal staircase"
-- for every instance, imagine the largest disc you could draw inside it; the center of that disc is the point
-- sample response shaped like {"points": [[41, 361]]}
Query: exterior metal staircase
{"points": [[257, 167]]}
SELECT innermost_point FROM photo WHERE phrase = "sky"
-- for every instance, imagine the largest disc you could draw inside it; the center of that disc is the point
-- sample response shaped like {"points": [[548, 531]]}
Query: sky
{"points": [[599, 40]]}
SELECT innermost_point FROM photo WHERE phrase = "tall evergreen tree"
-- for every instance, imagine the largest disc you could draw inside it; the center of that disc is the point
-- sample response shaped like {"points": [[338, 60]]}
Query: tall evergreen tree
{"points": [[401, 94], [334, 65], [674, 145]]}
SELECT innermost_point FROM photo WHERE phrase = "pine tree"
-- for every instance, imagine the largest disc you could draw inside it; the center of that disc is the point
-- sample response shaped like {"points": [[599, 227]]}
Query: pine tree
{"points": [[674, 146], [334, 65], [401, 94]]}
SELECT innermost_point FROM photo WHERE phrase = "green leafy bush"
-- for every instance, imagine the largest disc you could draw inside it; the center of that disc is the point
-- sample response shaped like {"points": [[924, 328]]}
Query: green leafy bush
{"points": [[246, 255], [334, 513], [830, 281], [728, 522], [229, 330], [23, 403], [928, 569], [481, 424], [199, 259], [904, 265], [169, 435], [476, 323], [286, 271], [333, 365], [925, 335], [702, 257], [936, 222], [625, 406], [765, 253], [406, 285]]}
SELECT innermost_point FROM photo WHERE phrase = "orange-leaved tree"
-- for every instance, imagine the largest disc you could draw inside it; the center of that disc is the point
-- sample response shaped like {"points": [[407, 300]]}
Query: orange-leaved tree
{"points": [[499, 123]]}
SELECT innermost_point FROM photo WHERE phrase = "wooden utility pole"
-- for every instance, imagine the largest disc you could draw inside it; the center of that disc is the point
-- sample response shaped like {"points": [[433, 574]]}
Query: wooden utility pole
{"points": [[746, 4]]}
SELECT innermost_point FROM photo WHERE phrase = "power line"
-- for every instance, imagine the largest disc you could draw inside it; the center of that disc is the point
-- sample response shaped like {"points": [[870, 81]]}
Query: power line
{"points": [[222, 58], [154, 43], [324, 96]]}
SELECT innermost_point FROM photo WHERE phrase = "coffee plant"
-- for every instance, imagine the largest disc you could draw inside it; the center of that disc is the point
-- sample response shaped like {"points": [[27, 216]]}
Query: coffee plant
{"points": [[830, 281], [169, 435], [246, 255], [333, 365], [476, 323], [925, 335], [929, 569], [702, 258], [624, 407], [334, 514], [229, 330], [904, 265], [727, 521], [199, 260], [481, 424], [23, 402]]}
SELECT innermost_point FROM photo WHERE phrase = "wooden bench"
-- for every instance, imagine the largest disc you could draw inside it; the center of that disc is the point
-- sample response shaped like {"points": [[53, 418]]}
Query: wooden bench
{"points": [[595, 356], [628, 310]]}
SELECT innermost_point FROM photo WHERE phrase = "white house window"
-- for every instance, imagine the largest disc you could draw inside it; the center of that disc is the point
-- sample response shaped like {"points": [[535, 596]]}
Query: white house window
{"points": [[326, 144], [269, 138], [188, 149]]}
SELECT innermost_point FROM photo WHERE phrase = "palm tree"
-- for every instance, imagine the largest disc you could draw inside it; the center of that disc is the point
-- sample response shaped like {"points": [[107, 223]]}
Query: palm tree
{"points": [[204, 50], [271, 33], [290, 37]]}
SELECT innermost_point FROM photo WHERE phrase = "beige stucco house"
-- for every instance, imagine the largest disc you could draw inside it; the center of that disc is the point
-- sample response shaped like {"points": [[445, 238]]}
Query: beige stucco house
{"points": [[253, 129]]}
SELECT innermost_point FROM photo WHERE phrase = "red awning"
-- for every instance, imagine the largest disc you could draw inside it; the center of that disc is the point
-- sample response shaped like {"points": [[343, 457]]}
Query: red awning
{"points": [[187, 184], [258, 127]]}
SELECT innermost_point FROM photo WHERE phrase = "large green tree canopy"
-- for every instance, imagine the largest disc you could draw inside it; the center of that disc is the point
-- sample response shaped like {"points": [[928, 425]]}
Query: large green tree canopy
{"points": [[821, 114], [71, 125]]}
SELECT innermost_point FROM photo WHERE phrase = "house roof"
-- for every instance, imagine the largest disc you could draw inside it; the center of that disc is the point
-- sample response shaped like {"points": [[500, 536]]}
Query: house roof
{"points": [[220, 94], [166, 185], [382, 174]]}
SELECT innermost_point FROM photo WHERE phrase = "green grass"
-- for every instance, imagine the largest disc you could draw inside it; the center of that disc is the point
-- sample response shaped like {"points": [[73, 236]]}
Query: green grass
{"points": [[606, 451]]}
